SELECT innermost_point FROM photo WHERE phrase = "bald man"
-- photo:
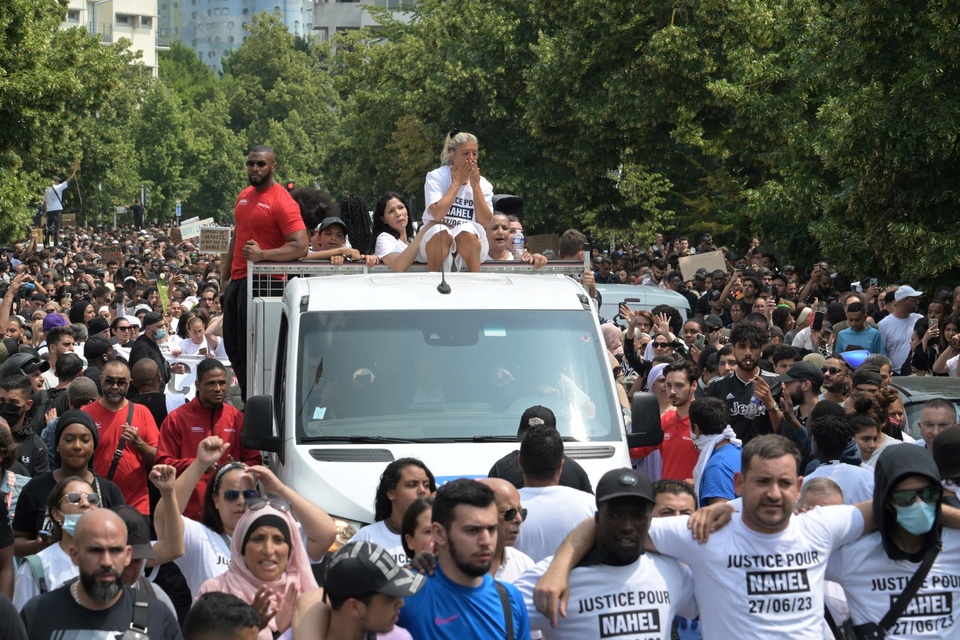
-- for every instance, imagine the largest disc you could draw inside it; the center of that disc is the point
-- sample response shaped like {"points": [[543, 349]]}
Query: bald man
{"points": [[508, 563], [98, 601]]}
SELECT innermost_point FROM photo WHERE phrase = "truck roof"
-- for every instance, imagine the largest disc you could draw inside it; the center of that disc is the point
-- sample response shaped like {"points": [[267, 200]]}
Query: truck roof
{"points": [[418, 291]]}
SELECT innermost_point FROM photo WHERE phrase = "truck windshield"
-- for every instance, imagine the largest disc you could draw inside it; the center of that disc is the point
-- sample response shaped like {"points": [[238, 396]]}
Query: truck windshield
{"points": [[451, 375]]}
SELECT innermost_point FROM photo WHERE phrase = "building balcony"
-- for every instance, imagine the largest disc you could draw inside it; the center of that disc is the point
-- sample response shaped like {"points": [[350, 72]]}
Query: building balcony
{"points": [[102, 30]]}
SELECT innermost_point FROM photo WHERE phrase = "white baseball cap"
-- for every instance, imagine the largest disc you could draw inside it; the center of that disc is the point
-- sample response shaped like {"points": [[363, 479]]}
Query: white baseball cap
{"points": [[906, 291]]}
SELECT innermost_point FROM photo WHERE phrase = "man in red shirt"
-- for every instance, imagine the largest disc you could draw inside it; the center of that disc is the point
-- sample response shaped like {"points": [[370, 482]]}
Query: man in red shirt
{"points": [[204, 416], [679, 454], [114, 421], [268, 227]]}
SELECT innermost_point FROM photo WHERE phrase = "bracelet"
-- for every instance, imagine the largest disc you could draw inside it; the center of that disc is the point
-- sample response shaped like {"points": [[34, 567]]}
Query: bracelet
{"points": [[773, 409]]}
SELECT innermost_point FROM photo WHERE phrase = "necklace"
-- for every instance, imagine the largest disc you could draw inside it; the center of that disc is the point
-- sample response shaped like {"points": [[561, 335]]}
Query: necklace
{"points": [[75, 592]]}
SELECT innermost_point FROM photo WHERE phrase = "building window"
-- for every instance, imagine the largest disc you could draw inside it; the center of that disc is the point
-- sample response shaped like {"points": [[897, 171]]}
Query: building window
{"points": [[146, 22], [73, 16], [124, 19]]}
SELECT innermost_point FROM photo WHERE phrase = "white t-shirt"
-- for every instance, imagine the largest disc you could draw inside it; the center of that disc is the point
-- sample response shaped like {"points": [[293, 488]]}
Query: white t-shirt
{"points": [[871, 462], [637, 601], [515, 563], [190, 348], [896, 334], [855, 482], [755, 585], [58, 568], [552, 513], [952, 365], [53, 196], [872, 581], [378, 533], [206, 554], [387, 244], [802, 340], [435, 187]]}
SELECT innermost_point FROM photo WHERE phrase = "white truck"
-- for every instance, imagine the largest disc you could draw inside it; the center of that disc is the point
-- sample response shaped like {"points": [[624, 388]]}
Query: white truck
{"points": [[351, 368]]}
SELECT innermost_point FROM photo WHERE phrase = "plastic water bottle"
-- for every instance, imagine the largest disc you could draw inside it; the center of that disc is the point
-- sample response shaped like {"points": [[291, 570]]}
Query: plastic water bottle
{"points": [[518, 242]]}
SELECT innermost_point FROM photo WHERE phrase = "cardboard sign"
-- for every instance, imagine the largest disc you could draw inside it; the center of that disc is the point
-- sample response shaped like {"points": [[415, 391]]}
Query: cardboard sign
{"points": [[215, 239], [711, 261], [111, 252], [37, 235], [175, 236], [69, 220]]}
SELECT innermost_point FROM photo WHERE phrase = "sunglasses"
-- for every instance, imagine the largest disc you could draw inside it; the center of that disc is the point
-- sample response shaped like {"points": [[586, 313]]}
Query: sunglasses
{"points": [[277, 503], [661, 345], [232, 495], [512, 512], [831, 370], [111, 382], [256, 163], [74, 497], [905, 498]]}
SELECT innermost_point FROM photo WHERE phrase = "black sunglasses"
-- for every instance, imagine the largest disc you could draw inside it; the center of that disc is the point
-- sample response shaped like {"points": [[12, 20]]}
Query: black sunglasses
{"points": [[930, 495], [831, 370], [232, 495], [512, 512], [256, 163]]}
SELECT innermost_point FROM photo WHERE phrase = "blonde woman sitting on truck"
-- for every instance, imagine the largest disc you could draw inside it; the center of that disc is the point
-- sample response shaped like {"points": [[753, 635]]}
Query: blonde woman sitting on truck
{"points": [[393, 239], [462, 200]]}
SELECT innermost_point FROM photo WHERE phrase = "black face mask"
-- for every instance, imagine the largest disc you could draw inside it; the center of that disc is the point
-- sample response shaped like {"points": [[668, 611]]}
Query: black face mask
{"points": [[10, 412]]}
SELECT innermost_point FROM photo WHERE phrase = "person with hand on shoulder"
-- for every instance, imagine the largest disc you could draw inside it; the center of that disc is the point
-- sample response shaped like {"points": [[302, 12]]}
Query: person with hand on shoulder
{"points": [[393, 240]]}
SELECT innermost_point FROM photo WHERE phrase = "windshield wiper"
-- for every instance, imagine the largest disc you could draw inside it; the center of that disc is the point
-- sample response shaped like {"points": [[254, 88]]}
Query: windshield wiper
{"points": [[360, 439]]}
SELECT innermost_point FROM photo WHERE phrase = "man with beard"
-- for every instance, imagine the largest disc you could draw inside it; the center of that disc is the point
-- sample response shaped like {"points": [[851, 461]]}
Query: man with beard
{"points": [[751, 394], [118, 420], [679, 454], [269, 228], [616, 586], [834, 386], [97, 605], [508, 562], [462, 601], [801, 386]]}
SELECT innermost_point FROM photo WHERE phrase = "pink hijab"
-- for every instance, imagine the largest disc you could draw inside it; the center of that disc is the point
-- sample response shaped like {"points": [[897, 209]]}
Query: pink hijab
{"points": [[240, 581], [613, 338]]}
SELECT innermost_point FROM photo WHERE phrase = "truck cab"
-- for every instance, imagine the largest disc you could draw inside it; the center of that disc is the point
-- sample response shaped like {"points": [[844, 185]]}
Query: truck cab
{"points": [[351, 368]]}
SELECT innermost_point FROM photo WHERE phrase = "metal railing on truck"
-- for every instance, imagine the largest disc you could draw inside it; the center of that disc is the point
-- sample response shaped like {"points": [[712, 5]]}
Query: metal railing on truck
{"points": [[268, 279]]}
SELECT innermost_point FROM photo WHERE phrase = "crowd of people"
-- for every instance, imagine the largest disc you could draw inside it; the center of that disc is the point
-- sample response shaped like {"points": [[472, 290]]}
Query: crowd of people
{"points": [[127, 507]]}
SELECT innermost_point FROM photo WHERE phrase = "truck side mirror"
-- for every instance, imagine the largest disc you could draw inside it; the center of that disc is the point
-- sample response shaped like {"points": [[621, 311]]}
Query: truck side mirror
{"points": [[258, 425], [645, 429]]}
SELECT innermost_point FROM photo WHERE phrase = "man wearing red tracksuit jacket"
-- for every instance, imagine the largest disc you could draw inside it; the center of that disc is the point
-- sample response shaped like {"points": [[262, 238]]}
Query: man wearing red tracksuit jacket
{"points": [[204, 416]]}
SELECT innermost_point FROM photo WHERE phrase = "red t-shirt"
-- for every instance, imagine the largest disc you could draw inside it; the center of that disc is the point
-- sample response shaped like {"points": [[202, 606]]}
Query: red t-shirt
{"points": [[677, 450], [131, 474], [268, 217]]}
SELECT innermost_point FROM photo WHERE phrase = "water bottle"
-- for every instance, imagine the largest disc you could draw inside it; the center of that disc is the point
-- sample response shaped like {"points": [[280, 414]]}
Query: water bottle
{"points": [[518, 242]]}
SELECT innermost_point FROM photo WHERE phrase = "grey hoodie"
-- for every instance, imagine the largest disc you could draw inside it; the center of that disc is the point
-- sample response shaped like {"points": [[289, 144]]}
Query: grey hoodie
{"points": [[893, 465]]}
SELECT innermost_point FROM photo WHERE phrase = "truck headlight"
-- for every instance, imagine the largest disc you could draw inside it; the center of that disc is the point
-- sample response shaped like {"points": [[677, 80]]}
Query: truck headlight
{"points": [[346, 529]]}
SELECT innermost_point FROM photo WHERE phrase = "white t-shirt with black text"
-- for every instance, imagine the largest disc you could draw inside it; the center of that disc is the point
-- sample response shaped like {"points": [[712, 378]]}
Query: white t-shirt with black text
{"points": [[872, 581], [378, 533], [206, 554], [756, 585], [637, 601]]}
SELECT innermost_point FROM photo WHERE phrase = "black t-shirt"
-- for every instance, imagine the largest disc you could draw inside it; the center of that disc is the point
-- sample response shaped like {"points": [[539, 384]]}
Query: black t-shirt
{"points": [[6, 532], [56, 615], [31, 451], [32, 503], [11, 626], [748, 417], [572, 474]]}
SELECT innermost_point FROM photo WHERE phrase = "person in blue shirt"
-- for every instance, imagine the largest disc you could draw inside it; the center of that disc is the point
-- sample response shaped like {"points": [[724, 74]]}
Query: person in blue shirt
{"points": [[461, 601], [857, 333], [720, 451]]}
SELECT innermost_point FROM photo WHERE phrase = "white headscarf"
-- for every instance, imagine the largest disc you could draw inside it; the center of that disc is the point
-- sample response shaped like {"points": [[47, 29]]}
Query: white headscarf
{"points": [[706, 444]]}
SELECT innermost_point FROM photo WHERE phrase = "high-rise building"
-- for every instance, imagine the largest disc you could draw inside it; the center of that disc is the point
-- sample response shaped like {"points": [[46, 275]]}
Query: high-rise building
{"points": [[111, 20], [213, 28]]}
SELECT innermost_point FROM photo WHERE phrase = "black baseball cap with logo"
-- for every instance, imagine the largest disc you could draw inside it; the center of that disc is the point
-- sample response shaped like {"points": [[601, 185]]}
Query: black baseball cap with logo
{"points": [[624, 483], [363, 568]]}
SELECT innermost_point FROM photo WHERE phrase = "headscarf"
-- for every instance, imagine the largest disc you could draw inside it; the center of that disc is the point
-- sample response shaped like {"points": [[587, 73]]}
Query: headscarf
{"points": [[655, 374], [611, 335], [238, 580]]}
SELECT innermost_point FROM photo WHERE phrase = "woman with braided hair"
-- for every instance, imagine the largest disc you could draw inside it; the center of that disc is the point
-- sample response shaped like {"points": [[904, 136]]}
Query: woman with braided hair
{"points": [[354, 213]]}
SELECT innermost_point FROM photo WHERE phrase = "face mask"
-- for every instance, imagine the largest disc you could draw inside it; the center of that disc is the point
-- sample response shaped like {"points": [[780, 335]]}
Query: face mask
{"points": [[917, 518], [70, 520], [161, 334], [10, 412]]}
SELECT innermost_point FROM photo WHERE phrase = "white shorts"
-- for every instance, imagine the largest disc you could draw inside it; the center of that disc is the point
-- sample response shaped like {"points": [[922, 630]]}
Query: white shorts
{"points": [[472, 228]]}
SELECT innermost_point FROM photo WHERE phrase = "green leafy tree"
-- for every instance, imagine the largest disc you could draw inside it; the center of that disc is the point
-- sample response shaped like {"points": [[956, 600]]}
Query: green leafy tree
{"points": [[185, 74]]}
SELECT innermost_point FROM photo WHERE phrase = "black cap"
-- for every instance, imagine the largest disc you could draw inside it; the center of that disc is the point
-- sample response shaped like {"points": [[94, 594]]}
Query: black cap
{"points": [[805, 371], [620, 483], [867, 376], [700, 274], [713, 321], [97, 325], [362, 568], [537, 415], [326, 222], [138, 535], [946, 452], [151, 318]]}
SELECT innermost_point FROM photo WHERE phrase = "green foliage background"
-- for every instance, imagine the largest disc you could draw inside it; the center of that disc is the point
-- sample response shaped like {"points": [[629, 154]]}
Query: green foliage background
{"points": [[827, 127]]}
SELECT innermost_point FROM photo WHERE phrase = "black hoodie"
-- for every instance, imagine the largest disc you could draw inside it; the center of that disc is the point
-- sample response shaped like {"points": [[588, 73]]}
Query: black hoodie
{"points": [[894, 465]]}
